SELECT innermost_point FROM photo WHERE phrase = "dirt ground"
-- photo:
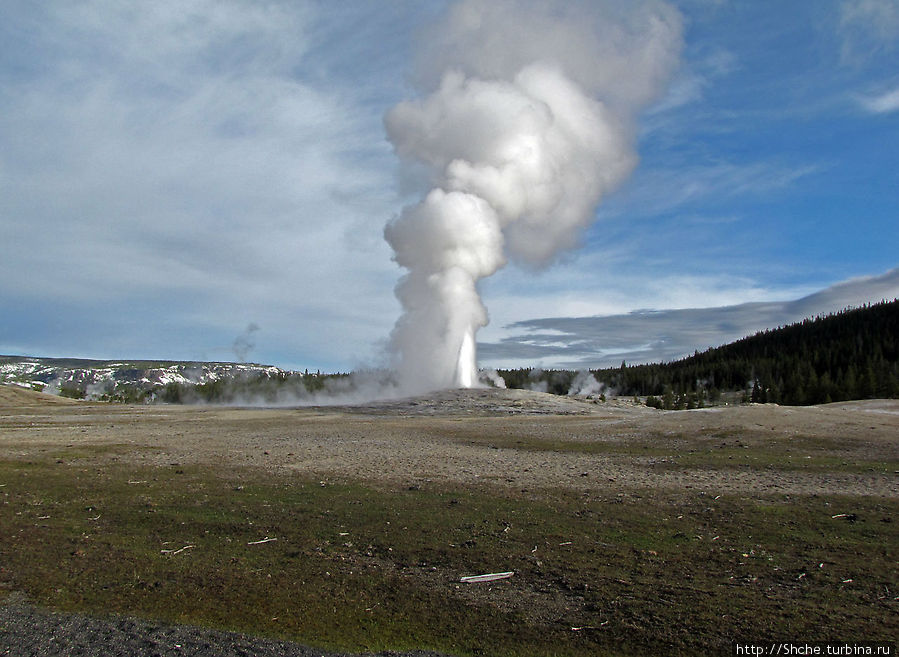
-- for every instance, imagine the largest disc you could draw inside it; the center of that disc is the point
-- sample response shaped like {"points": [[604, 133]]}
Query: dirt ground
{"points": [[514, 438], [519, 441]]}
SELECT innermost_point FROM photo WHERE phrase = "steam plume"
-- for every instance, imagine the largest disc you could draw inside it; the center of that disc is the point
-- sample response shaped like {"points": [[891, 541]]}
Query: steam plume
{"points": [[525, 122], [245, 343]]}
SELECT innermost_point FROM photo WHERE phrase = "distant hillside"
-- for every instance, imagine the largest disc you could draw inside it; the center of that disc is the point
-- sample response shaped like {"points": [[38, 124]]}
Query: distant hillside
{"points": [[853, 354], [146, 381]]}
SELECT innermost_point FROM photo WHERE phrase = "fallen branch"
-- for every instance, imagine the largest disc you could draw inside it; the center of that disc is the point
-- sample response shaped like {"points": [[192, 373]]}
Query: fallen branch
{"points": [[489, 577], [186, 547], [264, 540]]}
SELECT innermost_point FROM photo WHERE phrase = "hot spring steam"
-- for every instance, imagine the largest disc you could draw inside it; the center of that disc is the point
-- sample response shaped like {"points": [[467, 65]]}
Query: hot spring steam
{"points": [[526, 120]]}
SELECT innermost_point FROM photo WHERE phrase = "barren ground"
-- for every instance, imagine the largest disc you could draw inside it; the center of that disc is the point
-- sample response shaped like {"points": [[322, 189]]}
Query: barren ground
{"points": [[513, 445], [516, 439]]}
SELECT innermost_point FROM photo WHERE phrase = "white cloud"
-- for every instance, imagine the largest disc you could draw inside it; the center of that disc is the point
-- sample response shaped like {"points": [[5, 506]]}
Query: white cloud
{"points": [[593, 288], [660, 190], [868, 28], [881, 17], [659, 335], [882, 103], [689, 86], [176, 153]]}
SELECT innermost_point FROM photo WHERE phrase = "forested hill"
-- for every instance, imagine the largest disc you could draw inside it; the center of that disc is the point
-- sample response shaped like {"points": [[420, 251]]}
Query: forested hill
{"points": [[853, 354]]}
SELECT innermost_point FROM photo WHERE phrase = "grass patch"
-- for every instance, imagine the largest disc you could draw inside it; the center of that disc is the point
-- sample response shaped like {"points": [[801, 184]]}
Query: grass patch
{"points": [[704, 450], [358, 567]]}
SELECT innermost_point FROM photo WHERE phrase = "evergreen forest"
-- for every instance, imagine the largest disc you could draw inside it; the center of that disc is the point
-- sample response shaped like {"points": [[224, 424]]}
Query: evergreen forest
{"points": [[852, 354]]}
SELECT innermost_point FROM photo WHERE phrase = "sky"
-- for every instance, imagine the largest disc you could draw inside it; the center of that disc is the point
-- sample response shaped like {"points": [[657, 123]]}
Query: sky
{"points": [[211, 180]]}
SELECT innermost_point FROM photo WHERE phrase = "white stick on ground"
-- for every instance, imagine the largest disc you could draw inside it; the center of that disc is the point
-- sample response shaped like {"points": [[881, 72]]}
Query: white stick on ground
{"points": [[487, 578]]}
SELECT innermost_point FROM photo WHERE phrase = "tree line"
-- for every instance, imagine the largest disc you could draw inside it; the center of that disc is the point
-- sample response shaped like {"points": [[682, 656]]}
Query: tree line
{"points": [[851, 354]]}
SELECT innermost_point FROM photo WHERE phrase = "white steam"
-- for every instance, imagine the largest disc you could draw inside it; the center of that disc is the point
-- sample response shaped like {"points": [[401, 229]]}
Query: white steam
{"points": [[245, 343], [585, 383], [490, 378], [526, 122]]}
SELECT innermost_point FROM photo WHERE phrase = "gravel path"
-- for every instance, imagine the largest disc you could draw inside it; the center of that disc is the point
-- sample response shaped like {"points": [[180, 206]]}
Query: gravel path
{"points": [[29, 632]]}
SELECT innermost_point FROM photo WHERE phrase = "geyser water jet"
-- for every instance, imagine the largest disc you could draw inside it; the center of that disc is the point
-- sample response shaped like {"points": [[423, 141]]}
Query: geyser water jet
{"points": [[525, 121], [467, 367]]}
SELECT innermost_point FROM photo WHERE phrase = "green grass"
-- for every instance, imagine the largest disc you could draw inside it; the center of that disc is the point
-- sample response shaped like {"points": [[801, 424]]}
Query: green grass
{"points": [[360, 567]]}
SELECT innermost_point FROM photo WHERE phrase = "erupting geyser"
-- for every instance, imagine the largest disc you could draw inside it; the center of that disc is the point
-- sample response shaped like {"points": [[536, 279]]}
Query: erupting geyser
{"points": [[526, 121], [467, 367]]}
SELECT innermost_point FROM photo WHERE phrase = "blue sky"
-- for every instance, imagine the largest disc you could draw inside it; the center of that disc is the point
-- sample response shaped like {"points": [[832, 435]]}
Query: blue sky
{"points": [[173, 172]]}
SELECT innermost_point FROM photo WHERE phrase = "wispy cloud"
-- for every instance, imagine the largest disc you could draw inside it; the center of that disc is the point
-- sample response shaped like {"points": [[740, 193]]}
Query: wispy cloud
{"points": [[659, 190], [868, 28], [881, 103], [191, 150], [690, 84], [647, 335]]}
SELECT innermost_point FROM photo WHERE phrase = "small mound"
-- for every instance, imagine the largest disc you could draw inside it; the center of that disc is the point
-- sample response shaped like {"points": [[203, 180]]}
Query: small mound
{"points": [[477, 401], [17, 396]]}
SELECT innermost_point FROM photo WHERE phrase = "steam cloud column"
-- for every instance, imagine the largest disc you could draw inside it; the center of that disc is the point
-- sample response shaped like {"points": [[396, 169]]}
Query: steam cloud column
{"points": [[526, 122]]}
